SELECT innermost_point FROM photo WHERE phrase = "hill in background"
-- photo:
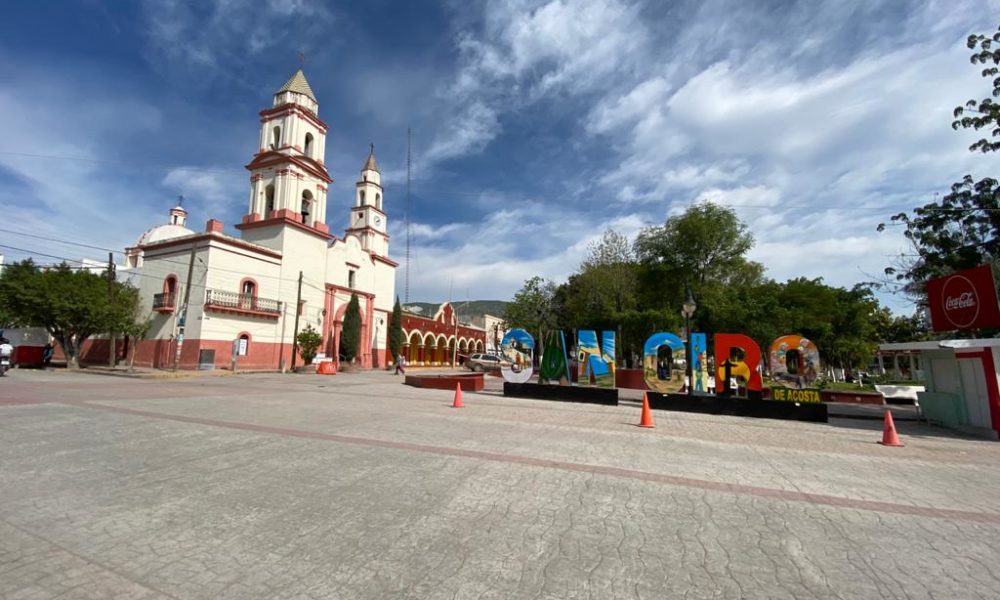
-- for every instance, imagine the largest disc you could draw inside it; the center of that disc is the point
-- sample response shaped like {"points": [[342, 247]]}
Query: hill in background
{"points": [[465, 310]]}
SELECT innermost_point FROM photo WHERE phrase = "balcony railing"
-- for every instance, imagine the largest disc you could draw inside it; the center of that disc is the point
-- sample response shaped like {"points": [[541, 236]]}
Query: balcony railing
{"points": [[226, 300], [165, 301]]}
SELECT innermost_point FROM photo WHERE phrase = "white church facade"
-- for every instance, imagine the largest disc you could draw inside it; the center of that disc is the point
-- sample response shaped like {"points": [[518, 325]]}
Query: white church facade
{"points": [[246, 289]]}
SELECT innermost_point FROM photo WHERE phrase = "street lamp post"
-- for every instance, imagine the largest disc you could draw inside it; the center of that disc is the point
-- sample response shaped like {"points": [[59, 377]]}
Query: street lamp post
{"points": [[687, 310]]}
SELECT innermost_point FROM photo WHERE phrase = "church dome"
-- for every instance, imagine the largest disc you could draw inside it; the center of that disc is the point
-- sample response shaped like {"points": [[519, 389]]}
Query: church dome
{"points": [[161, 233]]}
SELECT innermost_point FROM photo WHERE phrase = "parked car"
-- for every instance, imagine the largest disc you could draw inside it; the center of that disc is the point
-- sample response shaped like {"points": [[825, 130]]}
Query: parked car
{"points": [[483, 362]]}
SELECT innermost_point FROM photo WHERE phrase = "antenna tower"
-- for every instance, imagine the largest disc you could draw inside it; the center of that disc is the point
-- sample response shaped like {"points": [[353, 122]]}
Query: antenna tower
{"points": [[406, 288]]}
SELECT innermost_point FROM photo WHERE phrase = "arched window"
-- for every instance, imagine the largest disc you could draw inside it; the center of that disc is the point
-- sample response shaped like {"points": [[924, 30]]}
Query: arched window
{"points": [[361, 198], [275, 138], [307, 205], [378, 201], [170, 290], [307, 149], [268, 201], [243, 345], [248, 294]]}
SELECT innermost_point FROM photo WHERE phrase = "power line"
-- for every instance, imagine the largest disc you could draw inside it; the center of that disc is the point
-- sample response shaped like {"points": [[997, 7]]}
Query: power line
{"points": [[162, 260], [318, 286], [118, 162]]}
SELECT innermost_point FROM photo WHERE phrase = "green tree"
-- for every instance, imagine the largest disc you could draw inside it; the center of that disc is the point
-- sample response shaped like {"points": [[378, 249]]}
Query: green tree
{"points": [[707, 243], [610, 271], [71, 304], [533, 307], [962, 229], [350, 335], [309, 341], [899, 328], [396, 331]]}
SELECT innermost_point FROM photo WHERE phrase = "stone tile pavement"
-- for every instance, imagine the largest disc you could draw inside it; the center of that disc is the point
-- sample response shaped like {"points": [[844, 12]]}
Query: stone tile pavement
{"points": [[354, 486]]}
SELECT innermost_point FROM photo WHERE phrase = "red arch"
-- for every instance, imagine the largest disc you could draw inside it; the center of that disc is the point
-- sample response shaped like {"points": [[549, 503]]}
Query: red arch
{"points": [[166, 283]]}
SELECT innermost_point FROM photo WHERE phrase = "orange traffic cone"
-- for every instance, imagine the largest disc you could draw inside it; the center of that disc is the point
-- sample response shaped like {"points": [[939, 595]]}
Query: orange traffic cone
{"points": [[889, 437], [458, 396], [647, 417]]}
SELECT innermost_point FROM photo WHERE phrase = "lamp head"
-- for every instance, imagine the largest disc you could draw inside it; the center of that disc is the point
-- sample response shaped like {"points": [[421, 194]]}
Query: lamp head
{"points": [[689, 306]]}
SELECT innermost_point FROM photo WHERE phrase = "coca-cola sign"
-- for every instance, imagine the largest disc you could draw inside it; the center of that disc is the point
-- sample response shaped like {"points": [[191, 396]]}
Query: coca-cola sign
{"points": [[964, 300]]}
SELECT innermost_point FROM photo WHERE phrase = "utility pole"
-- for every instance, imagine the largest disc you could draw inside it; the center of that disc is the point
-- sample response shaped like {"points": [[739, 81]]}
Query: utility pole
{"points": [[295, 333], [111, 300], [182, 318], [281, 347]]}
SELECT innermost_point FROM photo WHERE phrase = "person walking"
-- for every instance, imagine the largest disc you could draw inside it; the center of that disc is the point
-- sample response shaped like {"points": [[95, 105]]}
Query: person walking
{"points": [[400, 365]]}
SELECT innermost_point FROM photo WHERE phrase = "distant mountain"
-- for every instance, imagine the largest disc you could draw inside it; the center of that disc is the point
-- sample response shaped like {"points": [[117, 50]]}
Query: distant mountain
{"points": [[465, 310]]}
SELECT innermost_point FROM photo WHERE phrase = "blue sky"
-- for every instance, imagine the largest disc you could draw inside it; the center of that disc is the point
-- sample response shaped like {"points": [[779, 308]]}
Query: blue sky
{"points": [[536, 124]]}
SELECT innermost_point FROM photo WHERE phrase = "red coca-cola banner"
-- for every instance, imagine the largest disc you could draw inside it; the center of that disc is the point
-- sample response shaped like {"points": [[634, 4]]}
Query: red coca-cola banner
{"points": [[963, 300]]}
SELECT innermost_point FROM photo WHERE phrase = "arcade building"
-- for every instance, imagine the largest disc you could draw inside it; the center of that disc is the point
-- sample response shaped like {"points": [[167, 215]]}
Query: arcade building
{"points": [[441, 340]]}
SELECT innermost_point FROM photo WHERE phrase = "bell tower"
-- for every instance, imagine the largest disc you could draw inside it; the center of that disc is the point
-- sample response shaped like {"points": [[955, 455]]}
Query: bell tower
{"points": [[288, 179], [368, 221]]}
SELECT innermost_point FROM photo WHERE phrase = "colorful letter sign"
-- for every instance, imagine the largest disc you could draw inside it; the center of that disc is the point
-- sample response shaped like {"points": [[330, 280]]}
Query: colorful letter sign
{"points": [[517, 354], [963, 300], [744, 368], [554, 366], [595, 360], [658, 355], [793, 361]]}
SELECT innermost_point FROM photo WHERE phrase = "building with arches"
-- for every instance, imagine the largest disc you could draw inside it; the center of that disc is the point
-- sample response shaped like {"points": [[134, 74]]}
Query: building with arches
{"points": [[247, 292], [440, 340]]}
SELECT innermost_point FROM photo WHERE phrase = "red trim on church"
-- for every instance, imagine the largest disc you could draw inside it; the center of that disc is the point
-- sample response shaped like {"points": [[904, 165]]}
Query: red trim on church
{"points": [[212, 237], [279, 111], [385, 259], [271, 158], [285, 217]]}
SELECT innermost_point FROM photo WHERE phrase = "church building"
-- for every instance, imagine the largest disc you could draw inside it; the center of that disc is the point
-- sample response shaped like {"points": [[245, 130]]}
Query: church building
{"points": [[210, 293]]}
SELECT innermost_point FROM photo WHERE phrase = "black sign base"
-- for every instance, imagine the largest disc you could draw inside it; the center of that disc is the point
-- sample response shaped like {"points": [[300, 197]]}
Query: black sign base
{"points": [[814, 412], [564, 393]]}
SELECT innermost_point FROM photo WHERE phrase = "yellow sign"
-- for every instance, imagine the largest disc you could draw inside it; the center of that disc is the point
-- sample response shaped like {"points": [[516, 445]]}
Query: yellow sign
{"points": [[793, 395]]}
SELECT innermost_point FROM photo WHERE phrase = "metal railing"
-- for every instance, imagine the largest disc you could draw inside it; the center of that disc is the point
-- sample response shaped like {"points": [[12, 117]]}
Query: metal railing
{"points": [[227, 299], [164, 300]]}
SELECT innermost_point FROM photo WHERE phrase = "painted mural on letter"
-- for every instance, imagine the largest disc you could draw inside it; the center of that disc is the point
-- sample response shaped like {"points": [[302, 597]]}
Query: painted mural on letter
{"points": [[793, 361]]}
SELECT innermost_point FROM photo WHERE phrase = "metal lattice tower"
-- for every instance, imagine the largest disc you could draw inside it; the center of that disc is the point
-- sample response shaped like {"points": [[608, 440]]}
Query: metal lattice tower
{"points": [[406, 288]]}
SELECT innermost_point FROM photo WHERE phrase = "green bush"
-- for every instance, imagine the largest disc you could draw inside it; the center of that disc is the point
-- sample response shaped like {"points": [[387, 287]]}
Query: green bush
{"points": [[309, 341]]}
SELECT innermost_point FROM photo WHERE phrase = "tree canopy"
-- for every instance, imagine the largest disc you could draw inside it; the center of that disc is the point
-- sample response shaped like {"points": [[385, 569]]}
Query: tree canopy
{"points": [[962, 229], [533, 307], [707, 243], [71, 304]]}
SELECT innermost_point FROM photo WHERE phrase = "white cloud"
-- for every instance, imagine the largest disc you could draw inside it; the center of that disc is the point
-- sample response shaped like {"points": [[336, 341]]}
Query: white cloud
{"points": [[528, 51], [216, 192], [493, 257], [221, 39]]}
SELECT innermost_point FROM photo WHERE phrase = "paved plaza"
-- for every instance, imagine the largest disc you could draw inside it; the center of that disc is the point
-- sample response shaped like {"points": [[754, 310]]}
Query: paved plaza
{"points": [[355, 486]]}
